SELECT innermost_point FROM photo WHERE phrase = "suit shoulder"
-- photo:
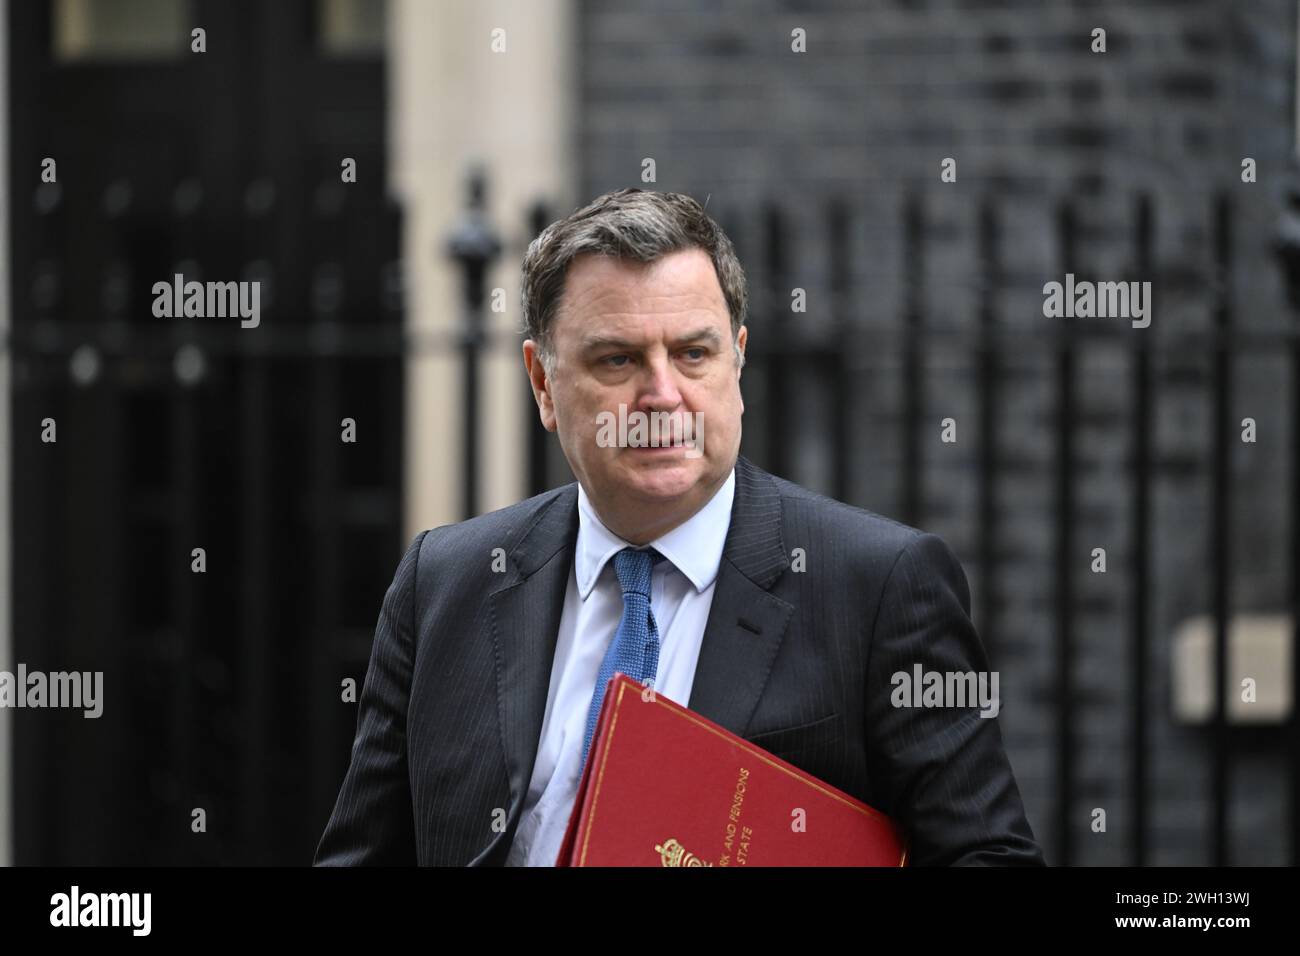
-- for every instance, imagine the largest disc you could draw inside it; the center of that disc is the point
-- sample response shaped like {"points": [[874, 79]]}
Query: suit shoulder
{"points": [[868, 544], [502, 528], [821, 513]]}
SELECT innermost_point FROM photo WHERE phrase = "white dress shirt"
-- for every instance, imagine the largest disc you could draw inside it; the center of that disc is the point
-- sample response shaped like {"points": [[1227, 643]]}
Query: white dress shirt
{"points": [[681, 593]]}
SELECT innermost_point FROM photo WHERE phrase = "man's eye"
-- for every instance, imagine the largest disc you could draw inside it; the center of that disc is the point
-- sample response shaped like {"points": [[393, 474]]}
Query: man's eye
{"points": [[613, 360], [695, 355]]}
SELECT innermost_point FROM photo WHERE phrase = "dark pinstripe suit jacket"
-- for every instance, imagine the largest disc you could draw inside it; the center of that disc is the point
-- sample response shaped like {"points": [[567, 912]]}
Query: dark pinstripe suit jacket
{"points": [[799, 662]]}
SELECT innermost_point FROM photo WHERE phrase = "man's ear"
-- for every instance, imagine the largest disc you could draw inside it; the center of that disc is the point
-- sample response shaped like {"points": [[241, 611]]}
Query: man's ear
{"points": [[540, 383], [741, 338]]}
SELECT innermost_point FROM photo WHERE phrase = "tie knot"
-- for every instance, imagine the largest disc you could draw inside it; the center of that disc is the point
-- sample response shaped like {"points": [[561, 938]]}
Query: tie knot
{"points": [[633, 567]]}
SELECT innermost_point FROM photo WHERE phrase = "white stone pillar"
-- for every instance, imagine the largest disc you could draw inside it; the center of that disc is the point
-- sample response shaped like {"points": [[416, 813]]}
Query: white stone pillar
{"points": [[453, 101]]}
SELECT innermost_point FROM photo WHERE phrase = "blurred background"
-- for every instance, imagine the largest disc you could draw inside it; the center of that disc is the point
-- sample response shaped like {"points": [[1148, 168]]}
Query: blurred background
{"points": [[392, 301]]}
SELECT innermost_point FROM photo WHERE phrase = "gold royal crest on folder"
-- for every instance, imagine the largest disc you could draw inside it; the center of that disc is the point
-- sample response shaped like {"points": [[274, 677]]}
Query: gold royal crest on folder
{"points": [[672, 853]]}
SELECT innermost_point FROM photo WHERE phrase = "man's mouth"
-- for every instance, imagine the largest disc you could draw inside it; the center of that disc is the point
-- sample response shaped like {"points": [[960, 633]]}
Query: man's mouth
{"points": [[657, 449]]}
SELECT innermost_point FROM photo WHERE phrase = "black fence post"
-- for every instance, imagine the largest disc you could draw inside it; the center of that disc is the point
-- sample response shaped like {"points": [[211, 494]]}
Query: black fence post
{"points": [[838, 239], [781, 357], [1065, 558], [1294, 531], [987, 390], [1286, 245], [913, 330], [1220, 537], [474, 244], [1143, 410]]}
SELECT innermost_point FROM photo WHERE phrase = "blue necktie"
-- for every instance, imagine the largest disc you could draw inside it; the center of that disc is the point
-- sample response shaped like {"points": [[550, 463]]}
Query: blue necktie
{"points": [[635, 648]]}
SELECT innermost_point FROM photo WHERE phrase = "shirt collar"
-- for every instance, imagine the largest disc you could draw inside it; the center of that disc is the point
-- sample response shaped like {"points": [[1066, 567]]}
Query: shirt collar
{"points": [[694, 547]]}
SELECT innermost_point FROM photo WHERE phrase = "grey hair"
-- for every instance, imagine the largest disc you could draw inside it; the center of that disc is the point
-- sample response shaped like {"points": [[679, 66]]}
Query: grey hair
{"points": [[627, 223]]}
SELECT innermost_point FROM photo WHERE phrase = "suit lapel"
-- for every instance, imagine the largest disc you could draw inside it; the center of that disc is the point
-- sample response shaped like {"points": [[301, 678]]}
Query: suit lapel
{"points": [[525, 615], [746, 622]]}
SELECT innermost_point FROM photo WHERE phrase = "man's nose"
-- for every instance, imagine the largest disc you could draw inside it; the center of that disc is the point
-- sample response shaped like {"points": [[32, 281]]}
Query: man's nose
{"points": [[659, 389]]}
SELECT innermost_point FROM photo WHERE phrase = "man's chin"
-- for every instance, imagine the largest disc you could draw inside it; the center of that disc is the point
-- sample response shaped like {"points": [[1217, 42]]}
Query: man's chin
{"points": [[660, 473]]}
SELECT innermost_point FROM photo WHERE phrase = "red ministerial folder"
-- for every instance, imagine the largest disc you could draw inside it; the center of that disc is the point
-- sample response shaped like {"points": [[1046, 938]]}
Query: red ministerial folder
{"points": [[663, 786]]}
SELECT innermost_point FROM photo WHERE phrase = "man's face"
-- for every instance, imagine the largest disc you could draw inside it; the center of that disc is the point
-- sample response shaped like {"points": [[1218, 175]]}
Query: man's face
{"points": [[657, 338]]}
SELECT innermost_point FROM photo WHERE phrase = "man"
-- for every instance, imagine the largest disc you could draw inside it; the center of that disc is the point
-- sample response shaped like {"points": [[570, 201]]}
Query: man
{"points": [[778, 613]]}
